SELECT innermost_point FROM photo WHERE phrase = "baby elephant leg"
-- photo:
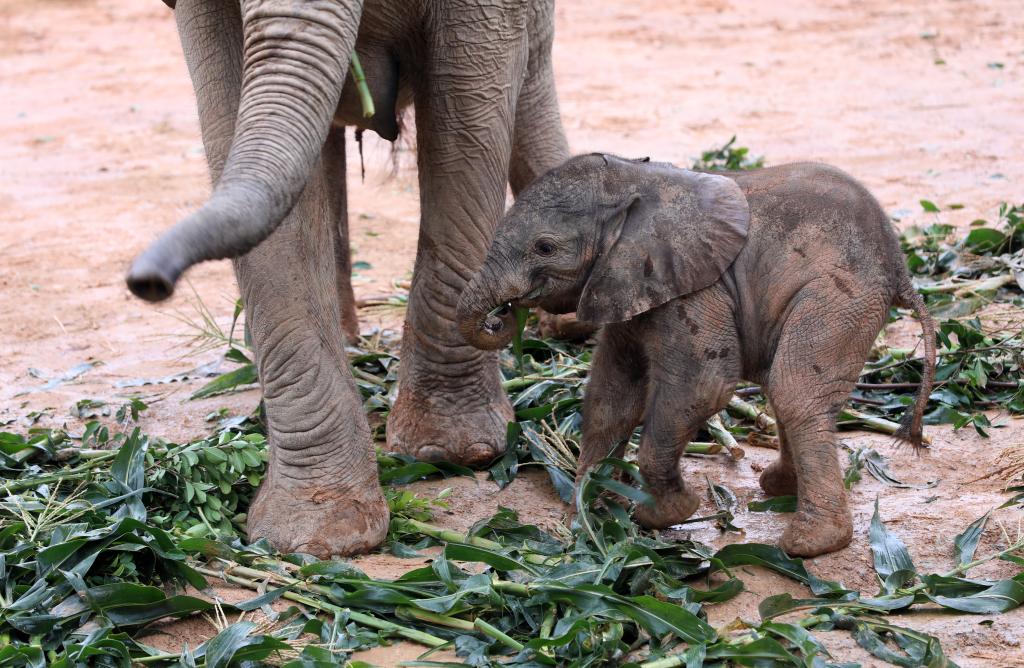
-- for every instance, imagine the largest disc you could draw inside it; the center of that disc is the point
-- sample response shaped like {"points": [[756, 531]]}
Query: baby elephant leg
{"points": [[818, 359], [614, 403], [667, 430], [779, 478]]}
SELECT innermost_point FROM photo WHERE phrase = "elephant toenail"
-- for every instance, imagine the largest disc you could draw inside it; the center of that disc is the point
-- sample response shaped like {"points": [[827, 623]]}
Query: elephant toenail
{"points": [[431, 453]]}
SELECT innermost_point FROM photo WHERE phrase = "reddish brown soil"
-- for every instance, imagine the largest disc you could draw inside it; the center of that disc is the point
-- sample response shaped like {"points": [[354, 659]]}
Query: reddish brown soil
{"points": [[102, 152]]}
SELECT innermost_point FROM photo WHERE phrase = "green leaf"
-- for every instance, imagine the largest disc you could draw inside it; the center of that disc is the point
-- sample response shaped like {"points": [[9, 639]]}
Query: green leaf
{"points": [[235, 645], [966, 543], [1003, 596], [929, 206], [775, 504], [243, 375], [773, 558], [495, 560], [889, 554], [984, 239]]}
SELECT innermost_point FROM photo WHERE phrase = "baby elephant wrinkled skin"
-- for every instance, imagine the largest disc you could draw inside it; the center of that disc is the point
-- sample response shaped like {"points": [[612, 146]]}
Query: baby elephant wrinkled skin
{"points": [[781, 276]]}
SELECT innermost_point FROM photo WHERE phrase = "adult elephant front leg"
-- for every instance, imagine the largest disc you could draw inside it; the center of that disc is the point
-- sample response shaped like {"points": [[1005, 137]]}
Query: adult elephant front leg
{"points": [[450, 401], [321, 493]]}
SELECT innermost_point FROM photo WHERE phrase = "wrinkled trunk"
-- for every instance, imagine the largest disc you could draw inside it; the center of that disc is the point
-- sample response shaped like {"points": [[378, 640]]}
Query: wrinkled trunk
{"points": [[481, 325], [295, 55]]}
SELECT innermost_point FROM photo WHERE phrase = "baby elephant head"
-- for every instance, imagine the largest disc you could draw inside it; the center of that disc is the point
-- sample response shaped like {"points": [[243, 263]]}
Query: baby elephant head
{"points": [[608, 238]]}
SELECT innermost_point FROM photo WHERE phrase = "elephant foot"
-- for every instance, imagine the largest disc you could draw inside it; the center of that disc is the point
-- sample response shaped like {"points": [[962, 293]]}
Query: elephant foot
{"points": [[565, 327], [439, 427], [810, 535], [779, 479], [668, 510], [322, 521]]}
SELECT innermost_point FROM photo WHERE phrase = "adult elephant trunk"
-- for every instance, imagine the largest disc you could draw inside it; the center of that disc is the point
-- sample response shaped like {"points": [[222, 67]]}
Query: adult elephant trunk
{"points": [[295, 59], [485, 315]]}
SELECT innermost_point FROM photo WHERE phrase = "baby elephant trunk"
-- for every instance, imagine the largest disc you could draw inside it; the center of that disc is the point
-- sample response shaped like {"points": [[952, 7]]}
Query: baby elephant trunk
{"points": [[485, 312]]}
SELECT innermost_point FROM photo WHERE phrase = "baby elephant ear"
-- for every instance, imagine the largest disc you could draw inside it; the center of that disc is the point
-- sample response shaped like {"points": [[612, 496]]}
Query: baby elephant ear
{"points": [[674, 241]]}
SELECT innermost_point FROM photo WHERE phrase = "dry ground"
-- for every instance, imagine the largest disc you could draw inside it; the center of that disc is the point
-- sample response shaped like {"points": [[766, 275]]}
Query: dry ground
{"points": [[101, 151]]}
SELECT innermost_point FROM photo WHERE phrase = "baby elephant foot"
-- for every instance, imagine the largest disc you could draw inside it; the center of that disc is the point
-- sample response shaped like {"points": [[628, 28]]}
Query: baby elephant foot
{"points": [[779, 479], [810, 535], [668, 510]]}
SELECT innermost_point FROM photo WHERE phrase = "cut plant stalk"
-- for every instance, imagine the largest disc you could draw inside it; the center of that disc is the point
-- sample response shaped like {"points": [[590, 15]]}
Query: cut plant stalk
{"points": [[487, 629], [872, 422], [724, 438], [406, 612], [456, 537], [762, 420], [364, 91], [757, 440], [323, 606]]}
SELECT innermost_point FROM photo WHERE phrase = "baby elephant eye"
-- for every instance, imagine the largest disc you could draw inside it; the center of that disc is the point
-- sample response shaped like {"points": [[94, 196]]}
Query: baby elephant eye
{"points": [[544, 247]]}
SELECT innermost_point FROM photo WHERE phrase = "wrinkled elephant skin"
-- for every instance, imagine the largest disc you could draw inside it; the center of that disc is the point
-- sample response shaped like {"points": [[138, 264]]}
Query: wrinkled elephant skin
{"points": [[780, 276], [275, 94]]}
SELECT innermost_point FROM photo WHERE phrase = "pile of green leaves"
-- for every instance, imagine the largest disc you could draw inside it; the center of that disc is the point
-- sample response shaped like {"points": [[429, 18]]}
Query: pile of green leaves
{"points": [[85, 565]]}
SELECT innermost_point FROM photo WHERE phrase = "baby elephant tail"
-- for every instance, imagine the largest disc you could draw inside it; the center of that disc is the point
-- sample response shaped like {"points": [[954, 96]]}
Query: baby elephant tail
{"points": [[911, 429]]}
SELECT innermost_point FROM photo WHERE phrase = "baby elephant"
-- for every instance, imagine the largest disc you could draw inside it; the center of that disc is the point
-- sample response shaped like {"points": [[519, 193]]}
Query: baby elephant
{"points": [[781, 276]]}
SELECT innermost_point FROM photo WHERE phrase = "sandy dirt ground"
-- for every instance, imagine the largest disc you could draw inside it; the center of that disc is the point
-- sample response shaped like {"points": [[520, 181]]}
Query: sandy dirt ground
{"points": [[100, 152]]}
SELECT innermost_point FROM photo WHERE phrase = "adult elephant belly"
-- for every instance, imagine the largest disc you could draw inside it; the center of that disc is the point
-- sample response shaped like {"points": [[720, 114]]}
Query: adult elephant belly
{"points": [[274, 91]]}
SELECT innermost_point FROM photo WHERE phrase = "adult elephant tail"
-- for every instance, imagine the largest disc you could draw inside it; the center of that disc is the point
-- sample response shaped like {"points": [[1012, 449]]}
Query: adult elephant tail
{"points": [[295, 56]]}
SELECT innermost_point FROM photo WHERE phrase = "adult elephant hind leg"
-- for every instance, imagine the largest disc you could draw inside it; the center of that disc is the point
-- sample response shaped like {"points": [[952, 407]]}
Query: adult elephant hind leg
{"points": [[337, 203], [451, 404], [818, 360], [321, 494]]}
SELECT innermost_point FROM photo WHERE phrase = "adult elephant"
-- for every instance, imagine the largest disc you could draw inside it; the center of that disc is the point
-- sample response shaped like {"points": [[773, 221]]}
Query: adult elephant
{"points": [[274, 93]]}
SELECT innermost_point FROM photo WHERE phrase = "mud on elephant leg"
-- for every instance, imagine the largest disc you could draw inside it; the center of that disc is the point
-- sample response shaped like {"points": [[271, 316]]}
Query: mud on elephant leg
{"points": [[614, 403], [667, 430], [451, 404], [321, 494], [814, 371]]}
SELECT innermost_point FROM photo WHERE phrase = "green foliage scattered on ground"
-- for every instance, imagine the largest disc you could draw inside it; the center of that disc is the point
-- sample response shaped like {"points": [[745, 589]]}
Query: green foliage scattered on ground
{"points": [[94, 543], [100, 531]]}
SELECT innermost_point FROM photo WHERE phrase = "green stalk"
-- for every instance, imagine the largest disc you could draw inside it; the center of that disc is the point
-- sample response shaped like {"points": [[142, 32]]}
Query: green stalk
{"points": [[873, 422], [677, 660], [455, 537], [406, 612], [76, 473], [154, 658], [701, 448], [960, 569], [364, 91], [548, 623], [763, 421], [497, 634], [724, 438], [358, 617]]}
